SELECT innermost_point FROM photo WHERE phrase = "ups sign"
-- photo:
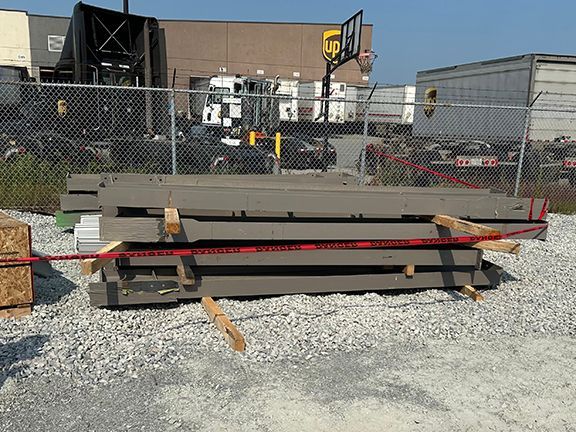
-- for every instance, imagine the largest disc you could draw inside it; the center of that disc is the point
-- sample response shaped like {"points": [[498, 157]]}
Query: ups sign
{"points": [[330, 44], [430, 98]]}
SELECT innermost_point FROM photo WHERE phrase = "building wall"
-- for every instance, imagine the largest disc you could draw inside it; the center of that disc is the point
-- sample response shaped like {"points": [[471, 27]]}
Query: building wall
{"points": [[293, 51], [197, 48], [40, 28], [14, 39]]}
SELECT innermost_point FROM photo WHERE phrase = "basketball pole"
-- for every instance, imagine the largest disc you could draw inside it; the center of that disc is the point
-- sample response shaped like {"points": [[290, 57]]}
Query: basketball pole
{"points": [[326, 95], [350, 32]]}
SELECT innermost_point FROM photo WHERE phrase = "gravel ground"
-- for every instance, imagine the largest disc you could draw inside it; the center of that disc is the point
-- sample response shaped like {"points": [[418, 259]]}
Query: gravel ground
{"points": [[411, 359]]}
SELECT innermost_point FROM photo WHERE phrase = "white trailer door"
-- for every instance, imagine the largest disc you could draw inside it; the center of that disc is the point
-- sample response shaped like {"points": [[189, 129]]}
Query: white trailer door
{"points": [[548, 120]]}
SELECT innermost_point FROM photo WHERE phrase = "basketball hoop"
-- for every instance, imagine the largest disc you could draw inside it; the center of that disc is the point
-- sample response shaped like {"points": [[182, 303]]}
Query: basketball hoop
{"points": [[365, 60]]}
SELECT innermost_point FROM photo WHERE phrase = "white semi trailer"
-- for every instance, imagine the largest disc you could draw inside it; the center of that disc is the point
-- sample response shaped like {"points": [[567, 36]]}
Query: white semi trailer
{"points": [[288, 105], [542, 81], [226, 103], [228, 106], [298, 102], [310, 107], [389, 104]]}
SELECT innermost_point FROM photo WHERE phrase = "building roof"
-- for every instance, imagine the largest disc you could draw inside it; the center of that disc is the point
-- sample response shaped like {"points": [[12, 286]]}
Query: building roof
{"points": [[196, 20], [257, 22], [565, 58]]}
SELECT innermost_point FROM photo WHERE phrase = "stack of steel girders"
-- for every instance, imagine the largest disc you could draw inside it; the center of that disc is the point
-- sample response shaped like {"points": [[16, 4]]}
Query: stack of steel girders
{"points": [[282, 212], [81, 198]]}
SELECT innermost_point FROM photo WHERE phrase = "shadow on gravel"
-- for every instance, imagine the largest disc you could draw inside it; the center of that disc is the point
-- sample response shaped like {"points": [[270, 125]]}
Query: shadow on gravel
{"points": [[16, 351], [329, 311], [51, 289], [507, 277]]}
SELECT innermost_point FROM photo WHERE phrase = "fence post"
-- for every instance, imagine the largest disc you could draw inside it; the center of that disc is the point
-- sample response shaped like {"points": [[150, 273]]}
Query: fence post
{"points": [[364, 142], [522, 151], [172, 107]]}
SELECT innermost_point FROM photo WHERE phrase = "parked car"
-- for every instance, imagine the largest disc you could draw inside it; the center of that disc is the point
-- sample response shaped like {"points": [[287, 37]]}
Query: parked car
{"points": [[203, 149], [10, 149], [221, 154], [561, 153], [54, 148], [300, 153], [11, 143]]}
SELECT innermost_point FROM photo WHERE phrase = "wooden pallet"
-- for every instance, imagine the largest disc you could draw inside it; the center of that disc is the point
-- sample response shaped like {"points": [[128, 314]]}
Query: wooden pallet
{"points": [[16, 311], [16, 280]]}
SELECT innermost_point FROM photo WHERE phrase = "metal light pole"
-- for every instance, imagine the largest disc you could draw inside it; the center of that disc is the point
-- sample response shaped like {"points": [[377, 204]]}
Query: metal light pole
{"points": [[125, 9], [523, 145], [365, 137]]}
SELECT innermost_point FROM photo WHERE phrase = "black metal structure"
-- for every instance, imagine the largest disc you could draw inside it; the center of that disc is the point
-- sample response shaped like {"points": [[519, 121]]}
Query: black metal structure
{"points": [[109, 47]]}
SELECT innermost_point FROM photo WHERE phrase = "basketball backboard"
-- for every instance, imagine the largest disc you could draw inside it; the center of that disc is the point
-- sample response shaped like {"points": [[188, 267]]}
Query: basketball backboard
{"points": [[350, 34]]}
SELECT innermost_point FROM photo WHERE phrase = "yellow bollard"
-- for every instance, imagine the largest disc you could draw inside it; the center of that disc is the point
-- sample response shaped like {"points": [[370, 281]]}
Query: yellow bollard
{"points": [[252, 138], [278, 137]]}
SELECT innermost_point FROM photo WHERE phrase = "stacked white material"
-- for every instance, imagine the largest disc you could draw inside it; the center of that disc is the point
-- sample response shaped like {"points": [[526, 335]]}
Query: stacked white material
{"points": [[87, 234]]}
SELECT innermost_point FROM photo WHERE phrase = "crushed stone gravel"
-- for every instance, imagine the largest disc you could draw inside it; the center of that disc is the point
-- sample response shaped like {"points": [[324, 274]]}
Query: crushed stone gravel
{"points": [[65, 337]]}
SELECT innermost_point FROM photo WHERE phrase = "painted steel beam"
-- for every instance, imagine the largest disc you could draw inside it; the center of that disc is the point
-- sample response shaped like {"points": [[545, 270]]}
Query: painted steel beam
{"points": [[149, 230], [286, 182], [79, 202], [148, 290], [309, 178], [367, 204], [373, 257], [82, 182]]}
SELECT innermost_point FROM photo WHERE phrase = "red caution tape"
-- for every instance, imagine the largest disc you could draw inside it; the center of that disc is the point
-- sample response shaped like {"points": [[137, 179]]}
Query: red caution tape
{"points": [[371, 244], [544, 210], [428, 170], [530, 212], [541, 216]]}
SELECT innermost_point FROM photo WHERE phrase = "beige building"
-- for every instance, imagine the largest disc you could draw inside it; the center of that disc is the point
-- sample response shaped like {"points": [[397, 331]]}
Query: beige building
{"points": [[194, 48], [14, 39], [256, 49]]}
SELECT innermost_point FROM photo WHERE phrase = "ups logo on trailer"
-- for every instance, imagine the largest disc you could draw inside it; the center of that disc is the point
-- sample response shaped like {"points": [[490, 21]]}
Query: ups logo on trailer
{"points": [[430, 96], [330, 44], [62, 107]]}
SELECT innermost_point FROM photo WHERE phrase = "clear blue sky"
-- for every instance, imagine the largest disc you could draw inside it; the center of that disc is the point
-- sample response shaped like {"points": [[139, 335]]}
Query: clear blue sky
{"points": [[409, 35]]}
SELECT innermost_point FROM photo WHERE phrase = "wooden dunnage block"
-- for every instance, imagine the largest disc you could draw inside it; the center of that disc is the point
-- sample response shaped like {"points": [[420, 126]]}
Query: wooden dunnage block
{"points": [[16, 281]]}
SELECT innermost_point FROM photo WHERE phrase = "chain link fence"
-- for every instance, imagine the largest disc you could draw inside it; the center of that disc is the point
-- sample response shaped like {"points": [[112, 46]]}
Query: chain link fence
{"points": [[50, 130]]}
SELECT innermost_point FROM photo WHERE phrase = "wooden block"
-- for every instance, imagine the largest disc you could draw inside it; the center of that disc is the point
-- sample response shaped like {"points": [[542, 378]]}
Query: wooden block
{"points": [[222, 323], [91, 266], [409, 270], [185, 274], [464, 226], [16, 311], [16, 280], [498, 246], [471, 292], [171, 221]]}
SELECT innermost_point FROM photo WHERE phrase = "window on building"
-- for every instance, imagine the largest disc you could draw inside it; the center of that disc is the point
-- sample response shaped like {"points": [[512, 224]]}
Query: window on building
{"points": [[9, 74], [55, 43]]}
